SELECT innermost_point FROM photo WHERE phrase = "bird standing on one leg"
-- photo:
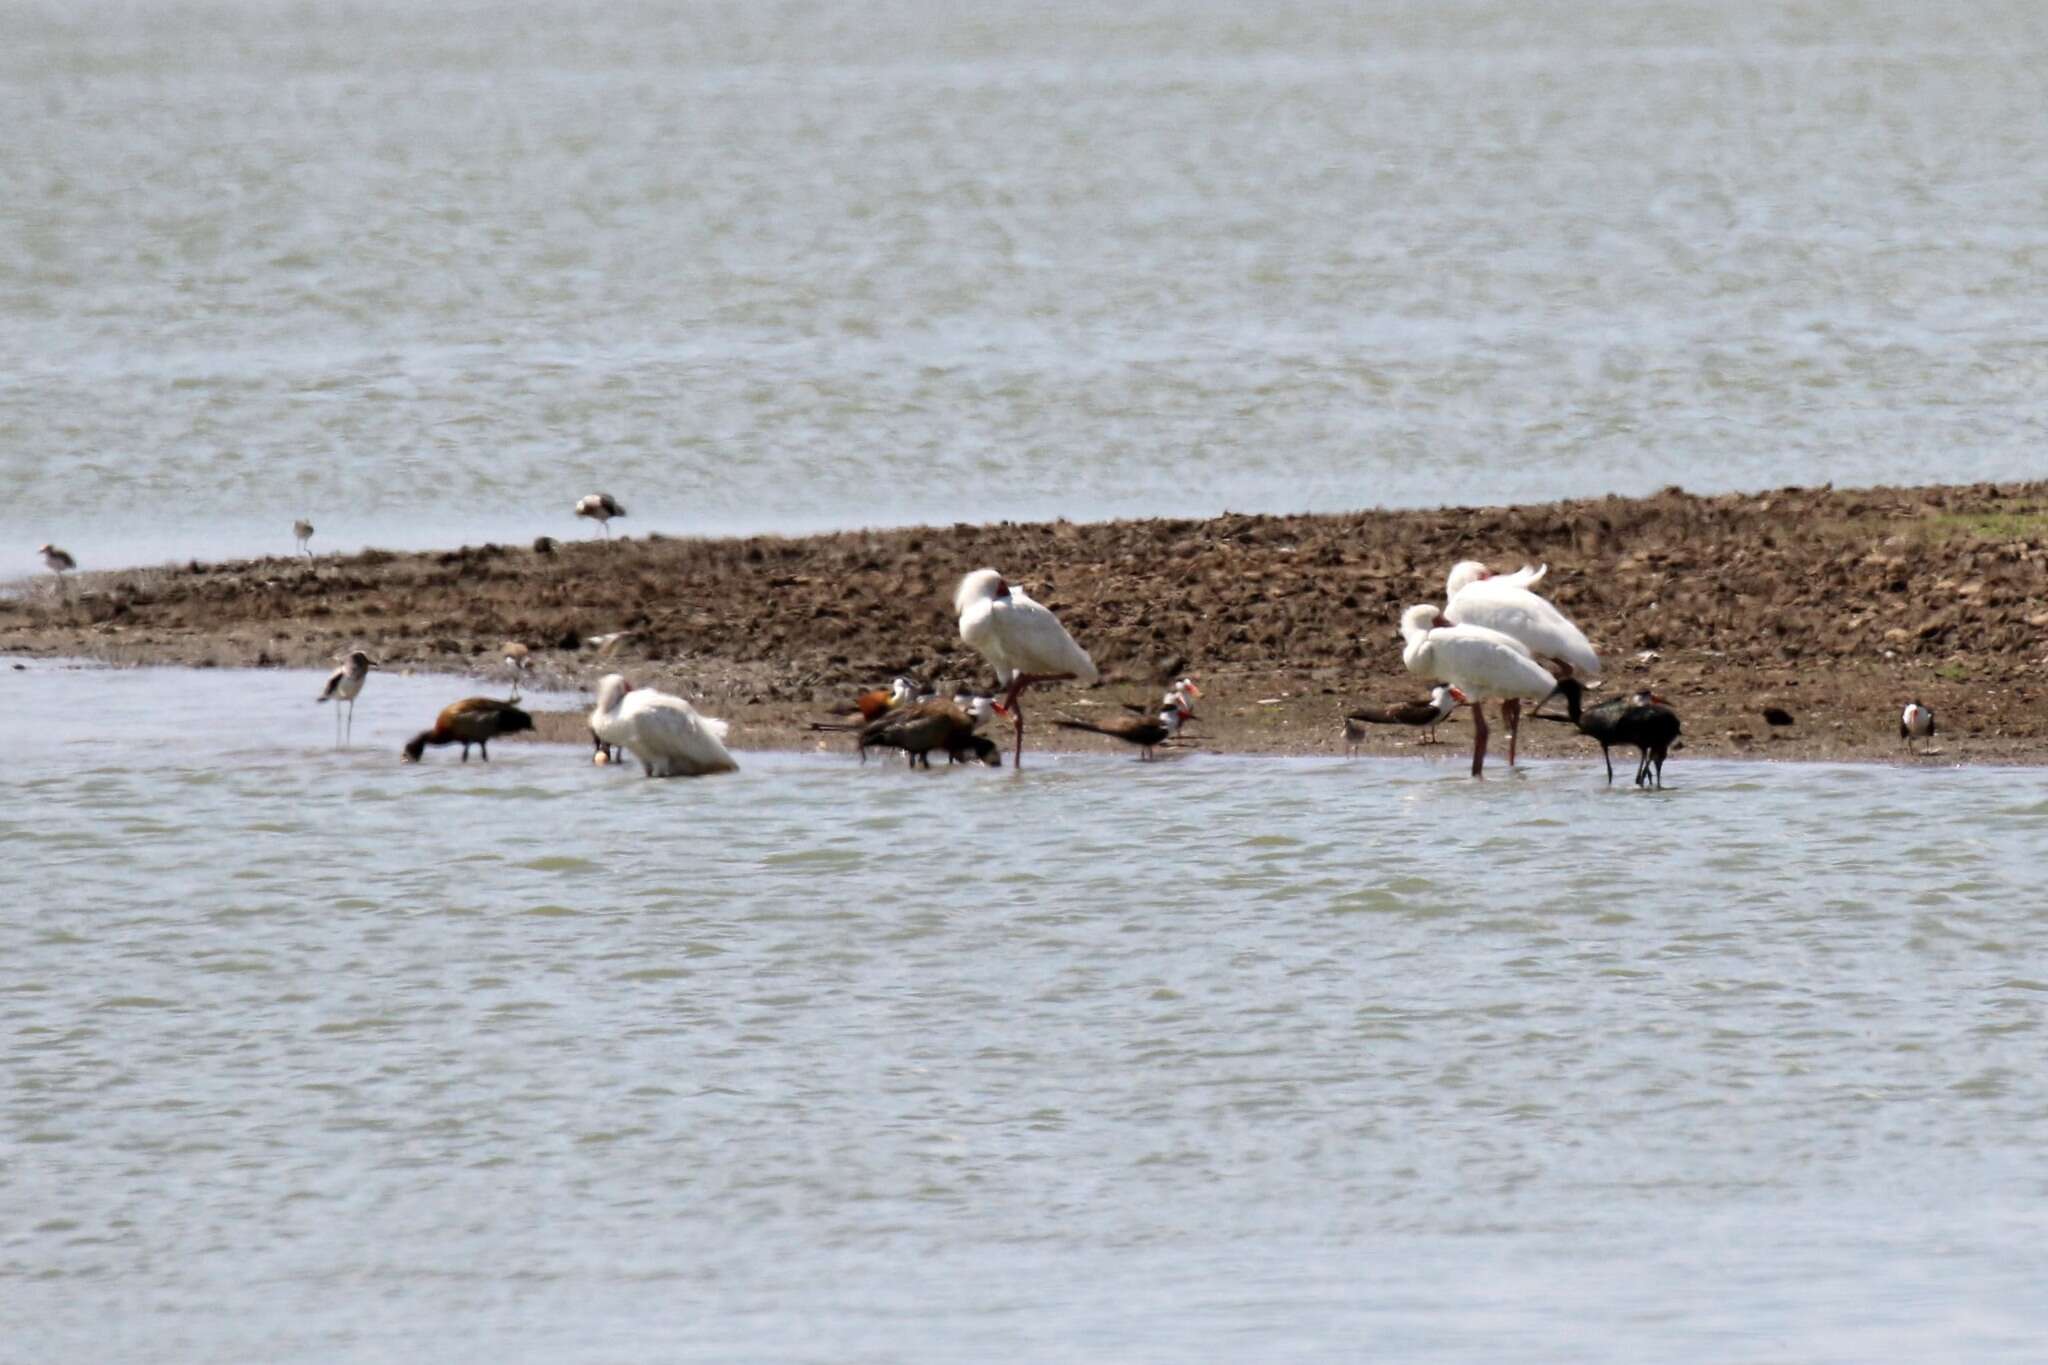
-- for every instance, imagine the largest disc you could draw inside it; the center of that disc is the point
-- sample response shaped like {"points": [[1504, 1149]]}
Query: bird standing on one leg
{"points": [[1023, 640], [343, 685]]}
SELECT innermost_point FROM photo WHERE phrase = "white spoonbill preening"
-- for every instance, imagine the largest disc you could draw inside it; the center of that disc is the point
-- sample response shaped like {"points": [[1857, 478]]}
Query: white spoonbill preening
{"points": [[1503, 602], [1481, 665], [1916, 722], [666, 733], [601, 508], [1022, 639], [343, 685], [302, 531]]}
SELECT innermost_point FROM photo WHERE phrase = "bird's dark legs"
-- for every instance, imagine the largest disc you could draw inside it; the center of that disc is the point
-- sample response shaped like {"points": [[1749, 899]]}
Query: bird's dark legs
{"points": [[1511, 712], [1478, 739], [465, 751], [483, 746], [1608, 754]]}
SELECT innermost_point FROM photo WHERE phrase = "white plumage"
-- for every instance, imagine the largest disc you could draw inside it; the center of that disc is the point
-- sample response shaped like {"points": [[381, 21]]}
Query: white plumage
{"points": [[1480, 664], [666, 733], [1016, 634], [1021, 638], [1503, 602]]}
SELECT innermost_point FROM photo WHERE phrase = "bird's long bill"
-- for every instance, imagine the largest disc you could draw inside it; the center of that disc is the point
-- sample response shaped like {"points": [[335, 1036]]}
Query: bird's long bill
{"points": [[1193, 691]]}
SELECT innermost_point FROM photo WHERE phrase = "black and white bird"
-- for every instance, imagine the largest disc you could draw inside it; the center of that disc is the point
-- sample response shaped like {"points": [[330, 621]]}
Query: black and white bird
{"points": [[344, 684], [518, 658], [601, 508], [1424, 715], [1916, 722]]}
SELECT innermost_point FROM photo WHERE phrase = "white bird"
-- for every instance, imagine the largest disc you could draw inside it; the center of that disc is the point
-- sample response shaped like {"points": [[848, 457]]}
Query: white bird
{"points": [[601, 508], [344, 684], [302, 531], [1481, 665], [1022, 639], [1916, 722], [1479, 597], [666, 733]]}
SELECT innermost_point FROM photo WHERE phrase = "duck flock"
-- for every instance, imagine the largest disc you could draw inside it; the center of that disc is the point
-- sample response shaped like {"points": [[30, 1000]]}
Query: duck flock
{"points": [[1493, 641]]}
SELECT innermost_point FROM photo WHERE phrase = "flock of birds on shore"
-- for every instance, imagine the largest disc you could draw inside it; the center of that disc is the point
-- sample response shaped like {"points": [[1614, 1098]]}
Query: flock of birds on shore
{"points": [[1494, 640]]}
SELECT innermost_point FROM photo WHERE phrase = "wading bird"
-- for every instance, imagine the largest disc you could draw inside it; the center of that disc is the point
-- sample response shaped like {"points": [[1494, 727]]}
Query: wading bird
{"points": [[1476, 596], [1424, 715], [518, 658], [57, 562], [1644, 722], [1146, 734], [667, 734], [934, 725], [343, 685], [1916, 722], [475, 720], [1480, 665], [302, 531], [601, 508], [1022, 639]]}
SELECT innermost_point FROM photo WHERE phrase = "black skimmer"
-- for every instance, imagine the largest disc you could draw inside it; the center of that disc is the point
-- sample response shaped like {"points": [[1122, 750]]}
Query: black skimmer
{"points": [[344, 684], [1146, 734], [1644, 722], [475, 720], [601, 508], [1022, 639], [1424, 715]]}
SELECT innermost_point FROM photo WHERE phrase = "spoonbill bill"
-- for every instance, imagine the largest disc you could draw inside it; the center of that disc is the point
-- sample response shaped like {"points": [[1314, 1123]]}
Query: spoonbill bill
{"points": [[666, 733]]}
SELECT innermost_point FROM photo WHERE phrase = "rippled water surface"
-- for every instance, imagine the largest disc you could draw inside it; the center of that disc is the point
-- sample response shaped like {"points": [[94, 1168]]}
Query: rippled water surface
{"points": [[306, 1055], [430, 272]]}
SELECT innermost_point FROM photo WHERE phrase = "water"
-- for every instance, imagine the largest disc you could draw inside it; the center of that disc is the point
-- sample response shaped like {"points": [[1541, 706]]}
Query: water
{"points": [[429, 273], [307, 1055]]}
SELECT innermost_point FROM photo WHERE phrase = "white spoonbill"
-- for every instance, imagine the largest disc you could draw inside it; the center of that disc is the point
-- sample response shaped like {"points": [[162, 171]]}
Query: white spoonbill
{"points": [[1481, 665], [344, 684], [664, 732], [1023, 640], [1503, 602]]}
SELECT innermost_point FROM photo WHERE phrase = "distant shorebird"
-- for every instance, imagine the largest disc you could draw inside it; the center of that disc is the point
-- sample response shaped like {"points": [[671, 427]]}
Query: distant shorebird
{"points": [[1424, 715], [1916, 722], [343, 684], [302, 531], [474, 720], [517, 660], [601, 508], [57, 562]]}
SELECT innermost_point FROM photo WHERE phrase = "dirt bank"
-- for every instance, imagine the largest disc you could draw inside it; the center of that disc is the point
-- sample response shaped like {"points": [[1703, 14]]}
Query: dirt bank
{"points": [[1838, 606]]}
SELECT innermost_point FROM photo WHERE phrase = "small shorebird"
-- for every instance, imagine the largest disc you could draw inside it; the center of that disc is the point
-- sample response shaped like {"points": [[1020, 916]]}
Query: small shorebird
{"points": [[601, 508], [57, 562], [1023, 640], [1644, 722], [666, 733], [475, 720], [302, 531], [344, 684], [1135, 730], [517, 660], [1424, 715], [1480, 665], [1916, 722]]}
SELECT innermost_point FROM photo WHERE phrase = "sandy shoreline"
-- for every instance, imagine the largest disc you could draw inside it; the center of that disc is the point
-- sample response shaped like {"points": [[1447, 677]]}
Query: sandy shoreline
{"points": [[1836, 605]]}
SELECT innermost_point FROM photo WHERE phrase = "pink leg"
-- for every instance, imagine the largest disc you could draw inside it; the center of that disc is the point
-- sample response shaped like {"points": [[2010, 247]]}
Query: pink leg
{"points": [[1478, 739], [1511, 712]]}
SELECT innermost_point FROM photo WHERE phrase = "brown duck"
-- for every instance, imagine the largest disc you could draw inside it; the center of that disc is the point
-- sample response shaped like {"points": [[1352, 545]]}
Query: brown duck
{"points": [[476, 720]]}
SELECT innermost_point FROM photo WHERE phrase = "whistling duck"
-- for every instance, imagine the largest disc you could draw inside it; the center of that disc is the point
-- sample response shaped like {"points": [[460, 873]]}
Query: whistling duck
{"points": [[925, 726], [475, 720]]}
